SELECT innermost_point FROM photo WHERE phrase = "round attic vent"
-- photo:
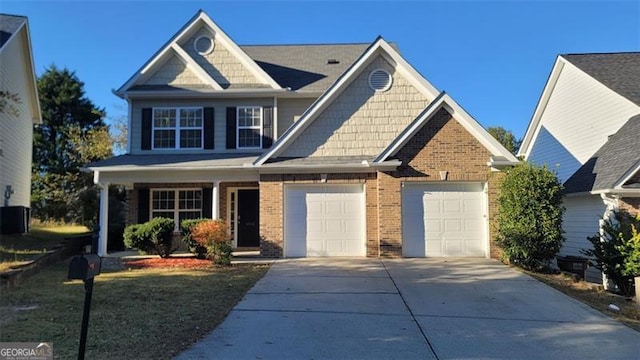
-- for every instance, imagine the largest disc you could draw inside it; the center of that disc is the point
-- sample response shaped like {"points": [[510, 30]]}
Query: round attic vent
{"points": [[203, 44], [380, 80]]}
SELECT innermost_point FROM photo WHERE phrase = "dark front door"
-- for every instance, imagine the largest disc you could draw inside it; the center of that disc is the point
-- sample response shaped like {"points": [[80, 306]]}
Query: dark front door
{"points": [[248, 218]]}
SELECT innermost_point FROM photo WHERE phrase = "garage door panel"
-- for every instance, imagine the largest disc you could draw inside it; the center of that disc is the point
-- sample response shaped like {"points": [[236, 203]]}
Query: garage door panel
{"points": [[332, 216], [453, 222]]}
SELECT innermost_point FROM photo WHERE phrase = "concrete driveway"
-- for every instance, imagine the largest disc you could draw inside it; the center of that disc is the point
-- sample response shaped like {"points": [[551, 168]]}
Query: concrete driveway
{"points": [[411, 309]]}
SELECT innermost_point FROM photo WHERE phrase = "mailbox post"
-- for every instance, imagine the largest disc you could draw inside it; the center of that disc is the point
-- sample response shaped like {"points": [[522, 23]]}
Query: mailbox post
{"points": [[85, 268]]}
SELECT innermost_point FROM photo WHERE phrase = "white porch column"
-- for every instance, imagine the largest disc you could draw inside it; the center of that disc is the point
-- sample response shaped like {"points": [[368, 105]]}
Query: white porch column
{"points": [[104, 219], [215, 200]]}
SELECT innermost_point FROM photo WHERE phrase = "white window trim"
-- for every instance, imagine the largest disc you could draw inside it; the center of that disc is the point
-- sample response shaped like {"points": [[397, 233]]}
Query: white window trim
{"points": [[176, 198], [238, 127], [177, 128], [209, 50]]}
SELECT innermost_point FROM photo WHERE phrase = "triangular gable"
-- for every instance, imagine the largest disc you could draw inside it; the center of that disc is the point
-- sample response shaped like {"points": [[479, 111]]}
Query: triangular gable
{"points": [[173, 46], [378, 48], [534, 126], [178, 70], [631, 177], [457, 112]]}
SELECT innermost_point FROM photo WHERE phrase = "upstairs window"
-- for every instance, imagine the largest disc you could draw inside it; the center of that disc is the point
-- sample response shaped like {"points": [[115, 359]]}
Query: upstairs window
{"points": [[177, 128], [249, 127]]}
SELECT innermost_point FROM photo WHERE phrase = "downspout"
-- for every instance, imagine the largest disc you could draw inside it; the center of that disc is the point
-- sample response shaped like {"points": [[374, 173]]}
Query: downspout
{"points": [[611, 203]]}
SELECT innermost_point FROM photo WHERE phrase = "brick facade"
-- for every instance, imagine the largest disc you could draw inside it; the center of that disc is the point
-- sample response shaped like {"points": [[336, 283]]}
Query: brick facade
{"points": [[441, 145], [632, 205]]}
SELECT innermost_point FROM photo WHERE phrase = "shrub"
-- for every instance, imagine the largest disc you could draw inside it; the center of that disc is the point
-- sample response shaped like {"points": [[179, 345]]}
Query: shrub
{"points": [[530, 216], [617, 251], [155, 234], [193, 246], [214, 235], [135, 238], [160, 232]]}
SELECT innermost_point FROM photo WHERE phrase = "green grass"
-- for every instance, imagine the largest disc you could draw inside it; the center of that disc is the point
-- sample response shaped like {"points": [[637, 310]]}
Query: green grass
{"points": [[19, 249], [135, 314]]}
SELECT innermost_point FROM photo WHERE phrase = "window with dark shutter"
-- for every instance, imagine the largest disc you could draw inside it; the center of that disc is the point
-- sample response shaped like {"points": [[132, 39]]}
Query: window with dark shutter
{"points": [[231, 127], [267, 127], [207, 200], [143, 205], [209, 126], [145, 131]]}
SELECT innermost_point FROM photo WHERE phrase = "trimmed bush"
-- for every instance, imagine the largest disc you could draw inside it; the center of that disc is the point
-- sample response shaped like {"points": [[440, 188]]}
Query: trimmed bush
{"points": [[193, 246], [135, 238], [156, 234], [530, 216], [617, 252], [214, 235], [160, 231]]}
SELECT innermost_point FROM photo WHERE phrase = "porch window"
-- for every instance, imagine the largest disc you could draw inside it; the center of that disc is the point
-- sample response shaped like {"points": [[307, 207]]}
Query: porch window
{"points": [[249, 127], [177, 205], [177, 128]]}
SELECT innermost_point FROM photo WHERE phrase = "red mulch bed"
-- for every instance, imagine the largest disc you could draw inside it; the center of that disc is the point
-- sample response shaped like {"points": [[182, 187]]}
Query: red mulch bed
{"points": [[172, 262]]}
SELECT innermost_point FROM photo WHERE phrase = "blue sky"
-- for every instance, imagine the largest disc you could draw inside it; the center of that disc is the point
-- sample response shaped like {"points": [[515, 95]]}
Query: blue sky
{"points": [[493, 57]]}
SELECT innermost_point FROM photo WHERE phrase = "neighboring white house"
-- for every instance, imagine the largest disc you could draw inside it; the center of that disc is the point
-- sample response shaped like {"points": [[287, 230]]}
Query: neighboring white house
{"points": [[20, 111], [586, 127]]}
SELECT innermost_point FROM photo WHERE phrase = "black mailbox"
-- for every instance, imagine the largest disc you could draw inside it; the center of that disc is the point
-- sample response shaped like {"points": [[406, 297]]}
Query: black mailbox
{"points": [[84, 267]]}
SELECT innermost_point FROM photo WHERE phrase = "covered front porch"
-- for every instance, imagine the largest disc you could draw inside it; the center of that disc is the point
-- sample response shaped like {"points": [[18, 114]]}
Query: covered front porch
{"points": [[183, 187]]}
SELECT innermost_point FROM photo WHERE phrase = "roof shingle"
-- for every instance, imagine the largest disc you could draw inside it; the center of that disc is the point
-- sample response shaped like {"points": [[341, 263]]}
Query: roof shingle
{"points": [[619, 72], [610, 163], [9, 24]]}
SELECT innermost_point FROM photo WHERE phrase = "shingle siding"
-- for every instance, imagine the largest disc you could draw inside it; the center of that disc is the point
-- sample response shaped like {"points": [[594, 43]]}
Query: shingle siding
{"points": [[220, 64], [289, 110], [173, 72], [361, 121], [16, 132]]}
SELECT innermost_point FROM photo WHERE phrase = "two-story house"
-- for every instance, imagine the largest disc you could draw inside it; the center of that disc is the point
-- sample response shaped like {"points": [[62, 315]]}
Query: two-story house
{"points": [[19, 112], [586, 128], [305, 150]]}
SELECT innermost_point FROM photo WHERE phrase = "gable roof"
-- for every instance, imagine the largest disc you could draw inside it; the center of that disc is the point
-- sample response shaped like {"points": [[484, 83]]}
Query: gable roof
{"points": [[619, 72], [612, 165], [172, 47], [11, 26], [501, 156], [378, 47]]}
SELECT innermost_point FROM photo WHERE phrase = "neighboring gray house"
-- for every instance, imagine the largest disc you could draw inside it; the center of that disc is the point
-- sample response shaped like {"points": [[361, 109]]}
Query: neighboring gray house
{"points": [[587, 127], [304, 150], [17, 118]]}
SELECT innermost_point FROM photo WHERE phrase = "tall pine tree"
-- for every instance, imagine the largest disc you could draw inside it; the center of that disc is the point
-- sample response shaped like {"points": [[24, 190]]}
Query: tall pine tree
{"points": [[72, 134]]}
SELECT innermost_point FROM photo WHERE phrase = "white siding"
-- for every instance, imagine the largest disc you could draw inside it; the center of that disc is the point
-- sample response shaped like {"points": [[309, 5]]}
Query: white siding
{"points": [[361, 121], [16, 133], [580, 116], [581, 220], [290, 109], [220, 116]]}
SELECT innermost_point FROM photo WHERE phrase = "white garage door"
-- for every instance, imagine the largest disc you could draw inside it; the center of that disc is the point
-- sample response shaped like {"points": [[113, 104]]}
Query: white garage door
{"points": [[444, 219], [324, 220]]}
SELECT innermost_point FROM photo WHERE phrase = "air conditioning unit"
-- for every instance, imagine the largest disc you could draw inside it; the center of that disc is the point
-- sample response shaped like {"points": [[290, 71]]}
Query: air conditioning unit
{"points": [[14, 219]]}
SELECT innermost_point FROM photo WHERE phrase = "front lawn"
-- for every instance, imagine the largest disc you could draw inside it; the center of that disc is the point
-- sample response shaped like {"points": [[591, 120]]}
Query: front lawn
{"points": [[149, 313], [19, 249]]}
